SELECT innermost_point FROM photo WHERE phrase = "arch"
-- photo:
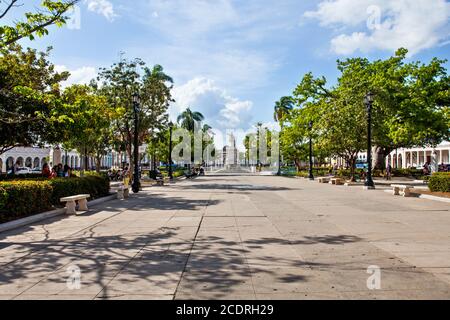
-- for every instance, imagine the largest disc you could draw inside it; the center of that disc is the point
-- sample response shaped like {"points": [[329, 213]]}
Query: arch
{"points": [[29, 162], [1, 165], [44, 161], [20, 161], [36, 163], [72, 161], [76, 162], [9, 163], [400, 161], [63, 160]]}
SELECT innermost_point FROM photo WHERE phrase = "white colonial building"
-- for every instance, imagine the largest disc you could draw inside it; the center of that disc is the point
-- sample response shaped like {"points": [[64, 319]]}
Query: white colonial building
{"points": [[418, 157], [35, 158]]}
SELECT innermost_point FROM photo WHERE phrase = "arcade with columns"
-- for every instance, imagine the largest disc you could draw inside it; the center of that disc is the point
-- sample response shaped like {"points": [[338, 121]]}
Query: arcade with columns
{"points": [[418, 157]]}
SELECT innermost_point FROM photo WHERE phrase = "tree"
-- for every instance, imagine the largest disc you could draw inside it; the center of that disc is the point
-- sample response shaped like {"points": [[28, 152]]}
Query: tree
{"points": [[87, 120], [411, 107], [29, 92], [35, 23], [282, 108], [188, 118], [120, 82]]}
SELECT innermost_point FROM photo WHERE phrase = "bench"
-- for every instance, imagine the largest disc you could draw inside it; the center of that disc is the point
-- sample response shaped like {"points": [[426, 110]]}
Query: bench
{"points": [[71, 203], [324, 179], [336, 181], [402, 190]]}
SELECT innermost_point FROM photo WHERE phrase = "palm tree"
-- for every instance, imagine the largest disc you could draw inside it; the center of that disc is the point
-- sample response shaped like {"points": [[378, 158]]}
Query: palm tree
{"points": [[157, 73], [282, 108], [188, 118]]}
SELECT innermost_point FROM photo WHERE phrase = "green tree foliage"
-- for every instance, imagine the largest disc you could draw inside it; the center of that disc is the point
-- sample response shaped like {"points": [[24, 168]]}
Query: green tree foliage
{"points": [[29, 92], [85, 120], [188, 118], [411, 108], [119, 83], [35, 23]]}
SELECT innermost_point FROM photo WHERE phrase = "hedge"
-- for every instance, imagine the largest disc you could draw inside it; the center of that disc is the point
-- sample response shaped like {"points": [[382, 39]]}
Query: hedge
{"points": [[440, 182], [23, 198]]}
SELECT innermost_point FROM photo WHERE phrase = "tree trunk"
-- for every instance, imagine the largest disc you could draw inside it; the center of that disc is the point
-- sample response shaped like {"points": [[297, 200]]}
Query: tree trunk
{"points": [[298, 164], [352, 164], [98, 161]]}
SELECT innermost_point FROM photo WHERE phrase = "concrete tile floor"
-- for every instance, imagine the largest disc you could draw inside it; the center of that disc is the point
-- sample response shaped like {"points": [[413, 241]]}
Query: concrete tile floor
{"points": [[236, 237]]}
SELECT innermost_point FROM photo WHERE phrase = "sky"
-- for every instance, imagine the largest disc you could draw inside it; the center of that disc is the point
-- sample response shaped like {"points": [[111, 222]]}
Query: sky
{"points": [[232, 59]]}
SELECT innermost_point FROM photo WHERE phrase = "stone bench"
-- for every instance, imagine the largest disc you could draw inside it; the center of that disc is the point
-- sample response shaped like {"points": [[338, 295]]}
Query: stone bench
{"points": [[401, 190], [324, 180], [336, 181], [71, 203], [123, 192], [162, 181]]}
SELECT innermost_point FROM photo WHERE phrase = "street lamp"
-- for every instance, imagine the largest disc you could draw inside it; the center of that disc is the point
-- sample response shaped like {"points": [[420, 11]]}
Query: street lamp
{"points": [[170, 151], [311, 164], [136, 107], [368, 101]]}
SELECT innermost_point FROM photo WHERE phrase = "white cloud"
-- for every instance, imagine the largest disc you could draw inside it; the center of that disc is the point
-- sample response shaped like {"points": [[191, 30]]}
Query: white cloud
{"points": [[103, 7], [413, 24], [221, 110], [81, 75]]}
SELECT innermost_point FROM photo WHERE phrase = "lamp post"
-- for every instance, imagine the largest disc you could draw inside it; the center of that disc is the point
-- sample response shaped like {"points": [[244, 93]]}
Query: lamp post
{"points": [[311, 164], [136, 184], [170, 151], [368, 101]]}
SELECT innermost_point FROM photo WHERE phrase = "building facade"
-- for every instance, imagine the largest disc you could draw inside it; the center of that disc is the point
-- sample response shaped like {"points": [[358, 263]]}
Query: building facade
{"points": [[418, 157], [35, 158]]}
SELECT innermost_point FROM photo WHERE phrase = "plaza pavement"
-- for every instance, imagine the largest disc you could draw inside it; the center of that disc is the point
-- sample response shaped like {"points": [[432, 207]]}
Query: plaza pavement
{"points": [[236, 237]]}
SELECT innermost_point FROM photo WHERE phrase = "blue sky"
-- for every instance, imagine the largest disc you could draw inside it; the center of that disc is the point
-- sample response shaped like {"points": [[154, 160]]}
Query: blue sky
{"points": [[232, 59]]}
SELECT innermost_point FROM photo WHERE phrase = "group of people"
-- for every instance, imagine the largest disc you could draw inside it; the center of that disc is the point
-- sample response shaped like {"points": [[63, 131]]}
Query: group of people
{"points": [[118, 175], [58, 171]]}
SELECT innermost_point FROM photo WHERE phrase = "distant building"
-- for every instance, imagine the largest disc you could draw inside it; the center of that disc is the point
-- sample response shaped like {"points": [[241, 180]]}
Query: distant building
{"points": [[35, 158], [417, 157]]}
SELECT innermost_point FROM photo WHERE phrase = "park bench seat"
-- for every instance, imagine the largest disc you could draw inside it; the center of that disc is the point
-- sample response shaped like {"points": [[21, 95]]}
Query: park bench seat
{"points": [[162, 181], [337, 181], [123, 192], [324, 179], [401, 190], [71, 203]]}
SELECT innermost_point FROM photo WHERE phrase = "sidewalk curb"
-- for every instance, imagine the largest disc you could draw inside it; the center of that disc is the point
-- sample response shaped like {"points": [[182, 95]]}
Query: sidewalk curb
{"points": [[46, 215], [427, 197], [434, 198]]}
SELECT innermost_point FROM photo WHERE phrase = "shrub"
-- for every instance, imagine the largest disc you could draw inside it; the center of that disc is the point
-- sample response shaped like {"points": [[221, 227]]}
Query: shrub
{"points": [[20, 177], [440, 182], [23, 198], [94, 185]]}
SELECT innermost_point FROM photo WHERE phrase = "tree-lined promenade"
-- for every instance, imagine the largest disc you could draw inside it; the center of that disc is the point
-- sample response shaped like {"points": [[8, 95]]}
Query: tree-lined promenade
{"points": [[410, 109]]}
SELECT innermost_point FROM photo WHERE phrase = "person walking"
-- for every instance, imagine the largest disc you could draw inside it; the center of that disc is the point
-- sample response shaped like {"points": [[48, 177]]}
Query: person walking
{"points": [[389, 172]]}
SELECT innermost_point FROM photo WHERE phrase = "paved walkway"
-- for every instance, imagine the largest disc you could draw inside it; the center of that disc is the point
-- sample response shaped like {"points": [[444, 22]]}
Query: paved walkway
{"points": [[236, 237]]}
